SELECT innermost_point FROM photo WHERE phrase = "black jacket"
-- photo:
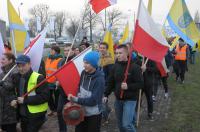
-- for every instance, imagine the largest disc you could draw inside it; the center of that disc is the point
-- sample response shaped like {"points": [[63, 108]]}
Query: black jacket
{"points": [[116, 77], [8, 114], [42, 94]]}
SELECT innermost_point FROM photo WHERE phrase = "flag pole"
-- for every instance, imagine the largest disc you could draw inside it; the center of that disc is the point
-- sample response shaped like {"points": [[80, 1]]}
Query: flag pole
{"points": [[130, 53], [86, 5], [53, 74]]}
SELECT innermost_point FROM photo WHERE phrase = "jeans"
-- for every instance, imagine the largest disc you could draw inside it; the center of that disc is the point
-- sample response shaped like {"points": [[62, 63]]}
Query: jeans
{"points": [[62, 100], [125, 112]]}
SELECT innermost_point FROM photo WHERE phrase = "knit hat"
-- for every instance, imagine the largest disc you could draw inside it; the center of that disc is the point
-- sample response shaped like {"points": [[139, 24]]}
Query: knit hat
{"points": [[92, 58]]}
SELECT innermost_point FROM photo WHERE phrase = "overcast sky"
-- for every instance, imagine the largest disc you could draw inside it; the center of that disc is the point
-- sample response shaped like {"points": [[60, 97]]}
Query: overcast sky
{"points": [[159, 12]]}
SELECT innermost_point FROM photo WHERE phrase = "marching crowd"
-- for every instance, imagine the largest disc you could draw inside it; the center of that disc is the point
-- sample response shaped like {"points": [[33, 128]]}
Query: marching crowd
{"points": [[102, 75]]}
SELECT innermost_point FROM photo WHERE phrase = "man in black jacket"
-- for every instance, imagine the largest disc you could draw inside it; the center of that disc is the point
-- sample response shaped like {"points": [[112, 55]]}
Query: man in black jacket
{"points": [[32, 108], [124, 105]]}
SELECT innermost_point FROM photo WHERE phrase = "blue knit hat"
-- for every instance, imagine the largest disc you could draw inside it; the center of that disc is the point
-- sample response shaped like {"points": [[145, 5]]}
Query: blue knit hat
{"points": [[92, 58]]}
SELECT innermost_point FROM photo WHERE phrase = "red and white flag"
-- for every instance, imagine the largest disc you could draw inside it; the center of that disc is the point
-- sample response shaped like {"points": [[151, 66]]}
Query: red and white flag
{"points": [[99, 5], [35, 50], [69, 74], [148, 39], [162, 67]]}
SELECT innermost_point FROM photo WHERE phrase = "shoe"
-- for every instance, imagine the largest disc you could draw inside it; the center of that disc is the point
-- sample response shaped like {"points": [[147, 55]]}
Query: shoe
{"points": [[166, 95], [150, 117], [154, 98], [182, 82]]}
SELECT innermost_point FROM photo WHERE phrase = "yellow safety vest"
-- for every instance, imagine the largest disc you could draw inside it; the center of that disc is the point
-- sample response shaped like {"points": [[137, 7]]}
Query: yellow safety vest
{"points": [[32, 82]]}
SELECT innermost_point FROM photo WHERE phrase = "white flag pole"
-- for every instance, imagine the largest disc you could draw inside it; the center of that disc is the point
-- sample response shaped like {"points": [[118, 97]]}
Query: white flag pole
{"points": [[86, 5]]}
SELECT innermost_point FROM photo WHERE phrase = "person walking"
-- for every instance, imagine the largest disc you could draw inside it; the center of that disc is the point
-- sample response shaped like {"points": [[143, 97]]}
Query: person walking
{"points": [[33, 107], [8, 114]]}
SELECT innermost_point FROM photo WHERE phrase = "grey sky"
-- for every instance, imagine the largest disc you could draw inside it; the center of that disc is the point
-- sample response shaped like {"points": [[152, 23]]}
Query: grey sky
{"points": [[160, 7]]}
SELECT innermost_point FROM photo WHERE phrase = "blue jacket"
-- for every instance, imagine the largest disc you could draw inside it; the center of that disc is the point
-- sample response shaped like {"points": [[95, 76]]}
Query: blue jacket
{"points": [[91, 88]]}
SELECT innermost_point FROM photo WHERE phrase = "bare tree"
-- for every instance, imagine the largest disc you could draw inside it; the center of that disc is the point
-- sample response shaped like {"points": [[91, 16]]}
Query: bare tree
{"points": [[72, 27], [90, 20], [60, 20], [114, 17], [42, 11]]}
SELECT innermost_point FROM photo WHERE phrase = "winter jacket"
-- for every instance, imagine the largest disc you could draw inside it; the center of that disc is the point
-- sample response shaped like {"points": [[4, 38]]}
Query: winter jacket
{"points": [[8, 114], [106, 63], [116, 77], [90, 93], [42, 94]]}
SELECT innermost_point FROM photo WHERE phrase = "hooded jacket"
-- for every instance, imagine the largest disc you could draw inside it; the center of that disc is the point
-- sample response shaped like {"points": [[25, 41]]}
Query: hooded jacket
{"points": [[90, 93]]}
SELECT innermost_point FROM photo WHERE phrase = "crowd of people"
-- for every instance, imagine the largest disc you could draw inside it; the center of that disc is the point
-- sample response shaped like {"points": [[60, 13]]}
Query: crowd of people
{"points": [[102, 75]]}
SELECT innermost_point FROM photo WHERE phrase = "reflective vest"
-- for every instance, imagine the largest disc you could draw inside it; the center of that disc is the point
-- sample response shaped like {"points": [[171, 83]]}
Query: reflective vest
{"points": [[180, 52], [51, 66], [32, 82]]}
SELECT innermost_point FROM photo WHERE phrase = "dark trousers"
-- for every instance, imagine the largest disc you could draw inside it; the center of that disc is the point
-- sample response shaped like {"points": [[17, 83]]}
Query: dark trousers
{"points": [[9, 127], [32, 124], [180, 68], [147, 90], [155, 82], [62, 100], [90, 124], [164, 82], [53, 100]]}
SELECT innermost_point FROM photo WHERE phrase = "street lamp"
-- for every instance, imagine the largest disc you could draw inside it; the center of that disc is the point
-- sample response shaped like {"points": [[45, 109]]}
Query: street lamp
{"points": [[19, 8]]}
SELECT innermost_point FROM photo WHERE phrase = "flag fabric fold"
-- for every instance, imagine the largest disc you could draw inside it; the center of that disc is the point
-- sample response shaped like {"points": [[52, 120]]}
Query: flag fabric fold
{"points": [[35, 50], [99, 5], [181, 22], [125, 35], [109, 40], [19, 33], [148, 39], [69, 74]]}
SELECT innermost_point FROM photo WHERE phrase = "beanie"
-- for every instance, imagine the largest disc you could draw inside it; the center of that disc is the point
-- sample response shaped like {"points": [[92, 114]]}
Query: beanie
{"points": [[92, 58]]}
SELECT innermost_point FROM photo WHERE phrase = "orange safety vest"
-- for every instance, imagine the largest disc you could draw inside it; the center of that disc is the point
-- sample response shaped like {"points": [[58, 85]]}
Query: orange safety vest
{"points": [[51, 66], [180, 52]]}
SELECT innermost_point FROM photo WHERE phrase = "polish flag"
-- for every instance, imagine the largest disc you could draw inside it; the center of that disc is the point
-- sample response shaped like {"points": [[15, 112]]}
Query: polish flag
{"points": [[99, 5], [69, 74], [148, 39], [35, 50]]}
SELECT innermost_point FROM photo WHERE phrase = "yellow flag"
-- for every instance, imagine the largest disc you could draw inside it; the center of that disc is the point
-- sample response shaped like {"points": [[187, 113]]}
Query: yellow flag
{"points": [[125, 35], [109, 40], [150, 7], [181, 22], [19, 34], [174, 42]]}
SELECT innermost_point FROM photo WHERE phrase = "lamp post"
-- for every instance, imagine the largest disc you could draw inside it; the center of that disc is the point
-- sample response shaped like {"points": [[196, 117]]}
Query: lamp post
{"points": [[19, 8]]}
